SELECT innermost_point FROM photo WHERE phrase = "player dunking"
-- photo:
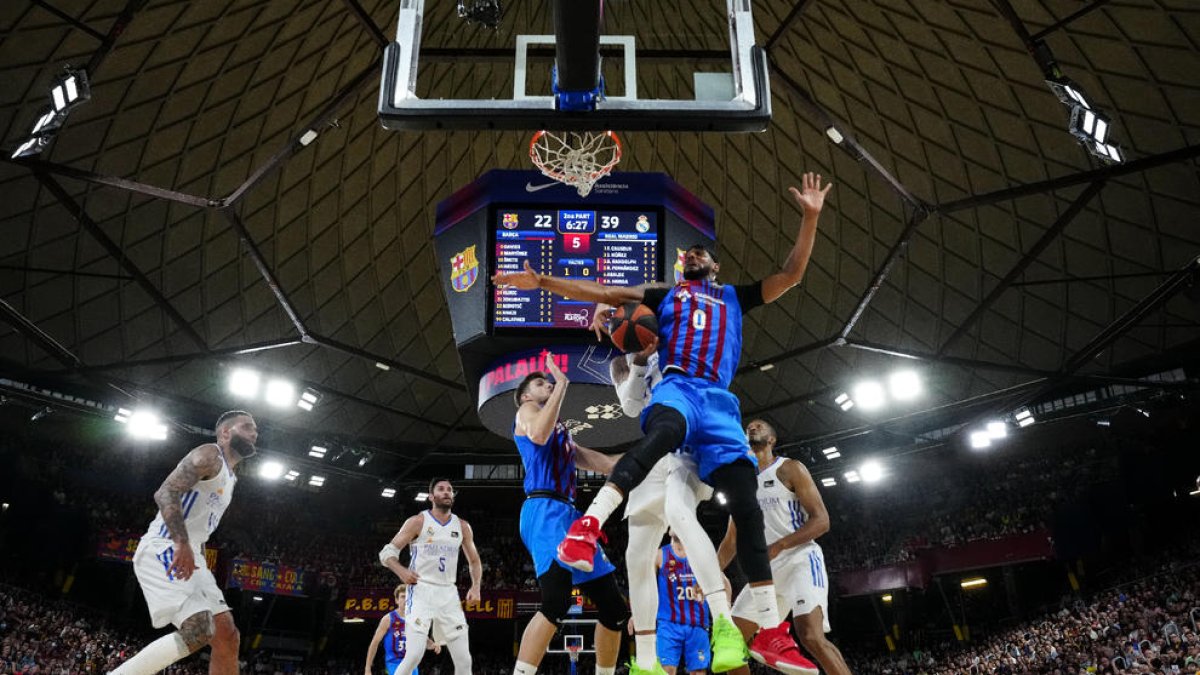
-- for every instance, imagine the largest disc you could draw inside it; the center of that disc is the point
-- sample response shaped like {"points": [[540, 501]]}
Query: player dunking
{"points": [[550, 458], [435, 536], [390, 632], [700, 335], [178, 590], [794, 516]]}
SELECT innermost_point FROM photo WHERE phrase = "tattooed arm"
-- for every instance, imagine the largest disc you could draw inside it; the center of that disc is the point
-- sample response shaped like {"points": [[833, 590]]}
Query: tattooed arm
{"points": [[200, 464]]}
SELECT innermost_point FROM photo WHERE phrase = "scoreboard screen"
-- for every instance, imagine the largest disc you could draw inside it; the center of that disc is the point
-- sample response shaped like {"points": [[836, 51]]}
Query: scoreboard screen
{"points": [[613, 245]]}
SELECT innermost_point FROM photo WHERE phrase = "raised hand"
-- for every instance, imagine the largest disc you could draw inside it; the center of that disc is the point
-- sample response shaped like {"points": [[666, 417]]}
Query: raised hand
{"points": [[554, 371], [601, 319], [526, 280], [812, 197]]}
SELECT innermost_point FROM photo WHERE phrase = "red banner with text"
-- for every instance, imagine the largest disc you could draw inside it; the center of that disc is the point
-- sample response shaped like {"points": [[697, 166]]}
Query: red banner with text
{"points": [[372, 603], [121, 547]]}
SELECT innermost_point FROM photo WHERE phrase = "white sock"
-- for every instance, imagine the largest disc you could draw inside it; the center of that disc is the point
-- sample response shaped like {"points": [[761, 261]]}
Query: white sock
{"points": [[523, 668], [719, 603], [155, 656], [764, 600], [607, 500], [606, 670], [647, 650]]}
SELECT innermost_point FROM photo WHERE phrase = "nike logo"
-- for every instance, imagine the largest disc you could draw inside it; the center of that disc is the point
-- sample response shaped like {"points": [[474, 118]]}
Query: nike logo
{"points": [[530, 187]]}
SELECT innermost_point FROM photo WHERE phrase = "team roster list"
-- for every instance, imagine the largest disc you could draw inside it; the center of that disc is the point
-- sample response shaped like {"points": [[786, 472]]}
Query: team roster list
{"points": [[617, 247]]}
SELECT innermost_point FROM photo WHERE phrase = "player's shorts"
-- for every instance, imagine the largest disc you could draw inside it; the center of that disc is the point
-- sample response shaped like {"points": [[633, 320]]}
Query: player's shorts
{"points": [[713, 416], [393, 665], [431, 607], [674, 475], [801, 585], [677, 641], [171, 600], [544, 523]]}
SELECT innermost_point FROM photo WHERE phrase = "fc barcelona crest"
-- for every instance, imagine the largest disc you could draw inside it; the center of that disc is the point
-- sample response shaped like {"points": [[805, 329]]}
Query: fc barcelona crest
{"points": [[464, 269], [679, 255]]}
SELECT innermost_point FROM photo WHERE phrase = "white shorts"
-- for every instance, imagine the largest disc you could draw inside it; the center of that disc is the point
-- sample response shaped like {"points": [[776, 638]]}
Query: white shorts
{"points": [[675, 479], [173, 600], [434, 607], [801, 585]]}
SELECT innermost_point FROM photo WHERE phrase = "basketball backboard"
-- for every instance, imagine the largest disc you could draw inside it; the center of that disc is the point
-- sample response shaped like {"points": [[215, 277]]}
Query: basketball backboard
{"points": [[661, 66]]}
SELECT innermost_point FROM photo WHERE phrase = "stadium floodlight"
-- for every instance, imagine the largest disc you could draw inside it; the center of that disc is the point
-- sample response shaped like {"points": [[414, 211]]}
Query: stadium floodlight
{"points": [[869, 395], [886, 598], [366, 457], [833, 455], [1024, 417], [831, 452], [1069, 93], [44, 129], [70, 90], [1089, 126], [980, 440], [421, 496], [904, 385], [975, 582], [146, 424], [317, 451], [271, 470], [389, 493], [844, 401], [851, 476], [281, 393], [834, 135], [244, 382], [1107, 151], [871, 471], [721, 498], [316, 481], [997, 430], [382, 366], [308, 398], [829, 482], [291, 475], [122, 415]]}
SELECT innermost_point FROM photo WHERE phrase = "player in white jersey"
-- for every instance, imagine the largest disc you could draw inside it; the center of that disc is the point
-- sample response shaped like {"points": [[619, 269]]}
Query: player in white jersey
{"points": [[669, 496], [434, 538], [178, 590], [794, 516]]}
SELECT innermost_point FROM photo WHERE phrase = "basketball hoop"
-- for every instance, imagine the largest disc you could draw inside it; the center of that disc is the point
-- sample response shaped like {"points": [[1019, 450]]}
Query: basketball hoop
{"points": [[578, 159], [573, 652]]}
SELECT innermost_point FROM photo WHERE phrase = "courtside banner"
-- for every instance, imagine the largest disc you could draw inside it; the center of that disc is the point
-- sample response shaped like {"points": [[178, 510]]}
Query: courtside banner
{"points": [[121, 547], [372, 603], [266, 577]]}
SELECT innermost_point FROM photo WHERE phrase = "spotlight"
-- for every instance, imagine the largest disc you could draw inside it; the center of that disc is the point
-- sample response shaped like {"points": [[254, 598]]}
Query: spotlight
{"points": [[980, 440], [997, 430], [1089, 126], [869, 395], [70, 90], [1107, 151], [851, 477], [421, 496], [831, 452], [291, 475], [316, 481], [834, 135], [1024, 417], [244, 382], [721, 499], [122, 415], [271, 470], [258, 598], [44, 129], [40, 414], [765, 367], [280, 393], [871, 471], [382, 366], [362, 461], [146, 424], [886, 598], [904, 385], [844, 401], [1069, 93], [308, 398], [317, 451], [829, 482], [388, 492], [976, 582]]}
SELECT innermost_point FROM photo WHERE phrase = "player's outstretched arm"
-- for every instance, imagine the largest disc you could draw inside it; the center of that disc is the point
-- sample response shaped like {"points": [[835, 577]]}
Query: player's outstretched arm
{"points": [[594, 460], [578, 289], [795, 476], [811, 199], [201, 463], [538, 423], [474, 564], [389, 556], [385, 623], [728, 547]]}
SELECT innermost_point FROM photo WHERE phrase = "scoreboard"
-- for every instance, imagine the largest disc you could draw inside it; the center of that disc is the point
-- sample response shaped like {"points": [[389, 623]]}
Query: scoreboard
{"points": [[609, 246]]}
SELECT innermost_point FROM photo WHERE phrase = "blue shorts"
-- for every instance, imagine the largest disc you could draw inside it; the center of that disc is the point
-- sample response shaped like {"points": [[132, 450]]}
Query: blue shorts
{"points": [[544, 523], [714, 420], [393, 665], [678, 641]]}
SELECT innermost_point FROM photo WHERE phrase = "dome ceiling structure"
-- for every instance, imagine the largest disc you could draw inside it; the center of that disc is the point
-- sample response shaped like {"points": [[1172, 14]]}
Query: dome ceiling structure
{"points": [[178, 224]]}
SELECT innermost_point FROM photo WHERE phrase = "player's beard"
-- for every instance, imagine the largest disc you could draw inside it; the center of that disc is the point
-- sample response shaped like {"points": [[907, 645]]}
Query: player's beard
{"points": [[242, 446], [699, 273]]}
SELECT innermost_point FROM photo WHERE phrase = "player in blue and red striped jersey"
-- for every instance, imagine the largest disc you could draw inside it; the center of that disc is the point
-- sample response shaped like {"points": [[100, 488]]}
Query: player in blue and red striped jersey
{"points": [[683, 616], [390, 632], [700, 335]]}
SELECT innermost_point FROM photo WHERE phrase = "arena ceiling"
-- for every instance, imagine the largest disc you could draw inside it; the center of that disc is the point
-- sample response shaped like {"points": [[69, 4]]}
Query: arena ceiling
{"points": [[177, 225]]}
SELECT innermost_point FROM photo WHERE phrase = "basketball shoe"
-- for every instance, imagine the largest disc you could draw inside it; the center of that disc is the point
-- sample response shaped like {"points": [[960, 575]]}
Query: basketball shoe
{"points": [[728, 647], [774, 647], [578, 548]]}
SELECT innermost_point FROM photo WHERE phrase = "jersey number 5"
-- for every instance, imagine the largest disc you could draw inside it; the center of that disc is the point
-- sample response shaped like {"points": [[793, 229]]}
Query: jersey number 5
{"points": [[442, 564]]}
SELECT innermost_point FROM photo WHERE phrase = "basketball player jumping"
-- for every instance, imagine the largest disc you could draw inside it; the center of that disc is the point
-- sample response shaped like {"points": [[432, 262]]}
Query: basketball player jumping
{"points": [[390, 632], [550, 457], [794, 516], [700, 334], [435, 537], [178, 590]]}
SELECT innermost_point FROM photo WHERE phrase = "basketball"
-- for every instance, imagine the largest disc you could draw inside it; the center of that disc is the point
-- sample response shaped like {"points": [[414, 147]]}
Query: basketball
{"points": [[633, 327]]}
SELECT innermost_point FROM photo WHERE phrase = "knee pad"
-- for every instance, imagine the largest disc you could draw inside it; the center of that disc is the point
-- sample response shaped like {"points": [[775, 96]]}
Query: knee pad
{"points": [[610, 604], [556, 593], [665, 431]]}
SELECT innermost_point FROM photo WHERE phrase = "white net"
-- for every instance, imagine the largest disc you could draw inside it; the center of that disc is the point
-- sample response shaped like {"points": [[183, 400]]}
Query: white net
{"points": [[578, 159]]}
